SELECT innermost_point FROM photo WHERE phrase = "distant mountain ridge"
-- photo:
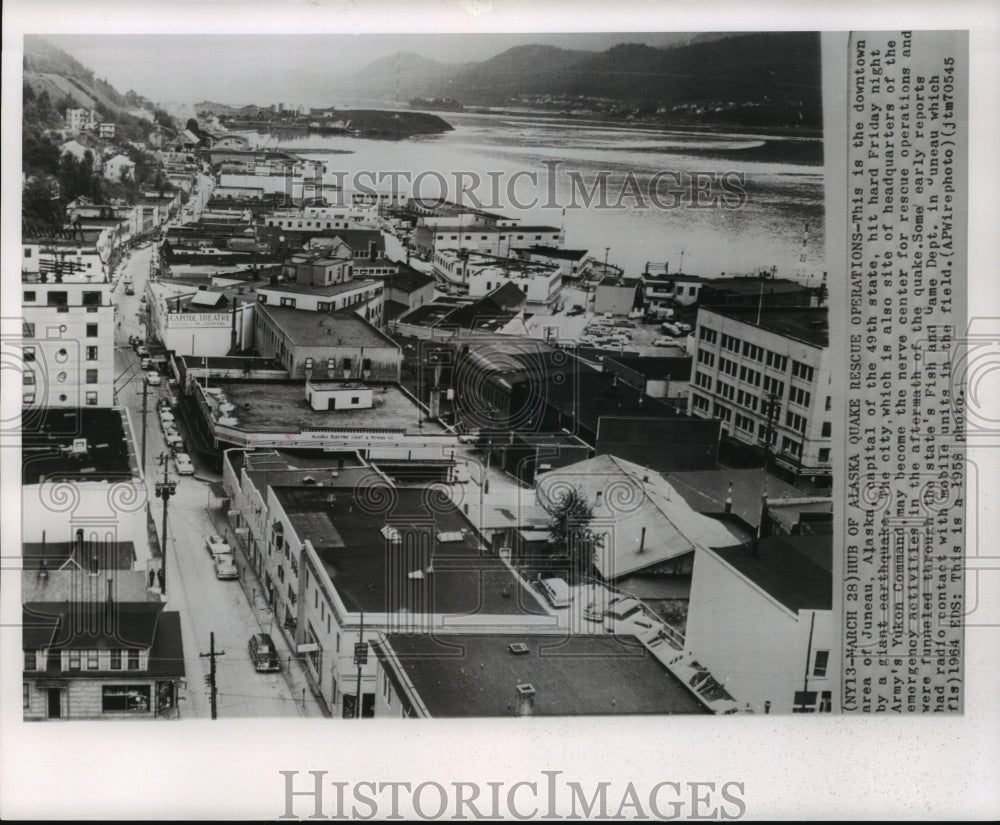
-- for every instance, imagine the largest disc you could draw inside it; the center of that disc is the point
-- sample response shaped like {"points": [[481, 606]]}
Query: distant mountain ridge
{"points": [[779, 70]]}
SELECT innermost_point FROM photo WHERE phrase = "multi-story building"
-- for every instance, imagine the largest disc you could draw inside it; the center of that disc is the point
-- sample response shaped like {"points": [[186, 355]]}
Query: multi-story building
{"points": [[761, 618], [499, 240], [78, 120], [481, 273], [106, 130], [69, 325], [764, 373]]}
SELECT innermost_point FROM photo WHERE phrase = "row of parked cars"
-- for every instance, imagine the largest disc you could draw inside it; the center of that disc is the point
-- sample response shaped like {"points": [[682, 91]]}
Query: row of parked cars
{"points": [[172, 436]]}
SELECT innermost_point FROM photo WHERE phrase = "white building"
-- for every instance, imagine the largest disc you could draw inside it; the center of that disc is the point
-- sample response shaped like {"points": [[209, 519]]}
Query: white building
{"points": [[68, 346], [116, 167], [760, 619], [765, 374], [499, 240], [481, 273]]}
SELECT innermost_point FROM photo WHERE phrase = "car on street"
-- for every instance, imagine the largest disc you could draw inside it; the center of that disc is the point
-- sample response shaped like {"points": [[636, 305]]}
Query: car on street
{"points": [[225, 566], [166, 417], [174, 441], [215, 541], [184, 465], [153, 378], [556, 591], [262, 653], [665, 342], [142, 351]]}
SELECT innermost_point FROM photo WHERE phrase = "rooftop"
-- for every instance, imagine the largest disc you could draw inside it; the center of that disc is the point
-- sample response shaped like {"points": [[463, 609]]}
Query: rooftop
{"points": [[617, 281], [325, 291], [373, 573], [280, 407], [125, 585], [806, 324], [794, 570], [476, 675], [655, 367], [47, 445], [65, 555], [407, 279], [707, 490], [649, 522], [311, 329]]}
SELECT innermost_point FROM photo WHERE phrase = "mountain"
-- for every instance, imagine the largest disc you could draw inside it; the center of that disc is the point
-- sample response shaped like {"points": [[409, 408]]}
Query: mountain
{"points": [[767, 77]]}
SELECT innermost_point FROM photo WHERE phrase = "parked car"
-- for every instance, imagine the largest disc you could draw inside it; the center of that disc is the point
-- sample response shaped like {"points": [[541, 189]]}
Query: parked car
{"points": [[670, 328], [665, 342], [262, 653], [145, 362], [556, 591], [153, 378], [215, 541], [225, 566], [174, 441], [184, 465], [685, 328], [129, 289], [164, 404], [142, 351], [166, 416]]}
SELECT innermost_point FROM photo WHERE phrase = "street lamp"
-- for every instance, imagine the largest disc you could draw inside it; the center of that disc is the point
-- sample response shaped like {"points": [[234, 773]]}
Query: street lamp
{"points": [[164, 489]]}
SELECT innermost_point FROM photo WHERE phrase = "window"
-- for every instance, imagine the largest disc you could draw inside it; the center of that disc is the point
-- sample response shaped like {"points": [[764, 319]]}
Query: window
{"points": [[826, 430], [775, 361], [28, 353], [347, 363], [705, 357], [820, 663], [91, 330], [125, 698], [133, 660], [327, 622], [828, 403], [699, 402], [797, 395], [26, 696], [91, 299], [730, 343], [288, 302], [29, 296], [93, 660], [795, 421], [753, 351], [28, 378], [323, 306], [58, 299], [91, 399], [709, 336], [824, 455], [805, 701], [261, 298], [826, 701], [31, 660], [116, 660], [74, 660], [355, 399], [27, 252], [773, 385], [750, 376], [91, 376], [728, 366], [800, 370], [28, 330], [91, 353], [702, 380], [791, 446]]}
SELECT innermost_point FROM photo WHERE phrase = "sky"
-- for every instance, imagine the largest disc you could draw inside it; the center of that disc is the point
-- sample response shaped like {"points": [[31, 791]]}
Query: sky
{"points": [[228, 67]]}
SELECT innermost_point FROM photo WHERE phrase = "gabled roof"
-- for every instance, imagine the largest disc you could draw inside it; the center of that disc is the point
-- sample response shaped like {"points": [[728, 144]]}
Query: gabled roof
{"points": [[113, 625], [633, 500]]}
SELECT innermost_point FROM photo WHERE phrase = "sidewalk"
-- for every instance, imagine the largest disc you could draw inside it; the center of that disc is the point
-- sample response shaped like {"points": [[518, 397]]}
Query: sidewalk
{"points": [[293, 668]]}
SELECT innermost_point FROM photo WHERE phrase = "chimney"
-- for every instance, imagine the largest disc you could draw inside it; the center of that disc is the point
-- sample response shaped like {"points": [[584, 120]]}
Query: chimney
{"points": [[525, 700]]}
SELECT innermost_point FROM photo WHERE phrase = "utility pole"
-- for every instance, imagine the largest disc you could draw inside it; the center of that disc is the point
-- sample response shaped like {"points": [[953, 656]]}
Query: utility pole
{"points": [[360, 658], [211, 655], [145, 396], [164, 489]]}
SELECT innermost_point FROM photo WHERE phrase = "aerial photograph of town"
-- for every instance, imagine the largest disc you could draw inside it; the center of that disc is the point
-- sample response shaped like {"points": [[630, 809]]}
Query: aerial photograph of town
{"points": [[407, 376]]}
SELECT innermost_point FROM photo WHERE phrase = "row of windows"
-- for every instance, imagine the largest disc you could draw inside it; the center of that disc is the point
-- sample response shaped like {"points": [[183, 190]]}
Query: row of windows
{"points": [[799, 396], [61, 356], [803, 371], [705, 357], [727, 391], [29, 398], [487, 237], [28, 330], [728, 366], [709, 336], [61, 298], [703, 380], [795, 421], [75, 659], [28, 377]]}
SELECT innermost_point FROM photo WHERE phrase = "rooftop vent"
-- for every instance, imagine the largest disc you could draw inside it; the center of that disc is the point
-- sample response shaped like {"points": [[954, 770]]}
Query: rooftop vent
{"points": [[518, 649]]}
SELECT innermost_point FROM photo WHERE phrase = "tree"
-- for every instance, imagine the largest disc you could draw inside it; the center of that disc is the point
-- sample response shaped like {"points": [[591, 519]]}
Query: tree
{"points": [[570, 537]]}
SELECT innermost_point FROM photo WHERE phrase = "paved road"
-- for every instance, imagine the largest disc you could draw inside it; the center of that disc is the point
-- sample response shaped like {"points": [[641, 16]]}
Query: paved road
{"points": [[205, 603]]}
